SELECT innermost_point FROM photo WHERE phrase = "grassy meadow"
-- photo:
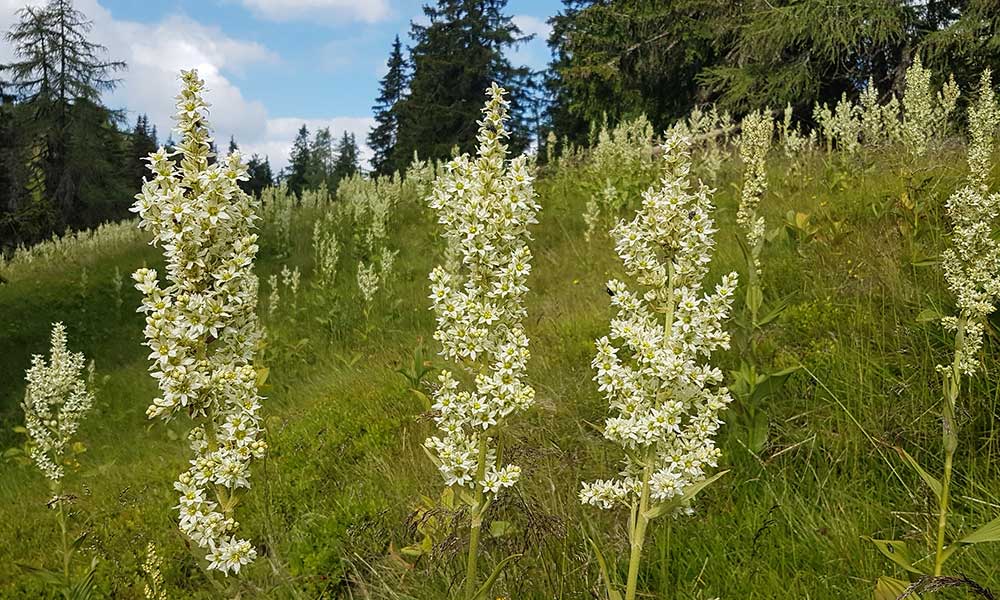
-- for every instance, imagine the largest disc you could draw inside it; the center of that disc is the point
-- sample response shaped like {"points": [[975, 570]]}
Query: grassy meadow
{"points": [[346, 490]]}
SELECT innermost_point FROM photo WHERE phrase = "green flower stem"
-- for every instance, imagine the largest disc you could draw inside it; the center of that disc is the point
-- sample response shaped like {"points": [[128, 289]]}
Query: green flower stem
{"points": [[63, 530], [638, 534], [477, 523], [952, 388]]}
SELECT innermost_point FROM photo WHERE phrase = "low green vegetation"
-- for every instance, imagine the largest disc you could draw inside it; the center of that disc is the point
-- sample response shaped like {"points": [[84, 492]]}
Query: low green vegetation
{"points": [[347, 505]]}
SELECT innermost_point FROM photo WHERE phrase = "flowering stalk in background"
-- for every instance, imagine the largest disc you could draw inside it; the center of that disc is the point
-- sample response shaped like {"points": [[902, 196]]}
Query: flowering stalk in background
{"points": [[201, 326], [55, 402], [755, 142], [972, 269], [664, 396], [485, 205]]}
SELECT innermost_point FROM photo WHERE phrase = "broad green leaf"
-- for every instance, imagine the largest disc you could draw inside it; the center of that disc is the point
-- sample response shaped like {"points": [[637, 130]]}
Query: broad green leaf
{"points": [[613, 594], [12, 452], [771, 383], [987, 533], [689, 493], [262, 374], [887, 588], [929, 479], [774, 313], [500, 528], [488, 584], [21, 429], [897, 552], [78, 541], [928, 315]]}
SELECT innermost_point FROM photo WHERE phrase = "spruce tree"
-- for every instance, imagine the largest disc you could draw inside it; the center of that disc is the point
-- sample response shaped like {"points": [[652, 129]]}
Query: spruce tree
{"points": [[299, 162], [60, 75], [456, 57], [348, 157], [260, 174], [321, 159], [383, 136]]}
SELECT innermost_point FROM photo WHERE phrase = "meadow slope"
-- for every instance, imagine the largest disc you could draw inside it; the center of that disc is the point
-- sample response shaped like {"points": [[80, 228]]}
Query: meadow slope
{"points": [[332, 504]]}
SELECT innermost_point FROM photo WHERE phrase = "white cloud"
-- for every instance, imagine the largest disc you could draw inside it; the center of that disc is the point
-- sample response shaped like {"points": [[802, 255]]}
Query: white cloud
{"points": [[369, 11], [535, 54], [156, 52], [532, 25]]}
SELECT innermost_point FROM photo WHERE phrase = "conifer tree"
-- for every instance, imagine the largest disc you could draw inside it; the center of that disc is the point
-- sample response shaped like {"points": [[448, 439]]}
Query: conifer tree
{"points": [[457, 55], [299, 162], [384, 135], [347, 163], [60, 75]]}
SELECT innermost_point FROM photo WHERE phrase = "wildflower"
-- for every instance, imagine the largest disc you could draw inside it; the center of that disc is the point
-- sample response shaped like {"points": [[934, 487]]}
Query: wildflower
{"points": [[485, 205], [202, 326], [326, 247], [664, 396], [367, 281], [972, 264], [924, 114], [153, 590], [55, 402], [755, 141]]}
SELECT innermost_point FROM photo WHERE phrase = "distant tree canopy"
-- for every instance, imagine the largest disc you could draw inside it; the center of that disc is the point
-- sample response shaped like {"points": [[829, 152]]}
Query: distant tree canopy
{"points": [[621, 58], [384, 135], [454, 59], [66, 160]]}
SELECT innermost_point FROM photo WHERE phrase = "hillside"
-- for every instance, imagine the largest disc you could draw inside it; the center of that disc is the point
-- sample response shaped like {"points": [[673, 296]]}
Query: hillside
{"points": [[333, 504]]}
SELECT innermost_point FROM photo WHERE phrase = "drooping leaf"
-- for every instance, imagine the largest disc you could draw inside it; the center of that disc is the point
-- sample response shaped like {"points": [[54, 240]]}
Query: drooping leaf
{"points": [[987, 533], [887, 588], [897, 552], [689, 493], [771, 383], [488, 584], [929, 479], [613, 594]]}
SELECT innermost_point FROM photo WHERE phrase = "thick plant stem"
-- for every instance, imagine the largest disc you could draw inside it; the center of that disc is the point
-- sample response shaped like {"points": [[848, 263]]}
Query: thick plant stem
{"points": [[943, 515], [65, 540], [950, 435], [638, 535], [477, 523]]}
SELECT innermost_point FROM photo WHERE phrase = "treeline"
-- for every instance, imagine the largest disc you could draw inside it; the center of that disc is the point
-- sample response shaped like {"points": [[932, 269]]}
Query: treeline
{"points": [[618, 59], [67, 160]]}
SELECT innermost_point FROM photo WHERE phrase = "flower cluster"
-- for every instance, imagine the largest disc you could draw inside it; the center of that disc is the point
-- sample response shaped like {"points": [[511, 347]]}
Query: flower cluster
{"points": [[151, 568], [879, 122], [709, 131], [621, 161], [793, 141], [485, 205], [72, 247], [201, 325], [326, 247], [972, 264], [368, 281], [755, 142], [924, 114], [664, 396], [55, 402], [277, 206]]}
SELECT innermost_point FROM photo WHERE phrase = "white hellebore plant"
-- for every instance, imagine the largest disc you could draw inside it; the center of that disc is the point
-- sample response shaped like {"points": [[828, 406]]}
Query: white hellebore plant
{"points": [[653, 368], [55, 402], [485, 205], [201, 324]]}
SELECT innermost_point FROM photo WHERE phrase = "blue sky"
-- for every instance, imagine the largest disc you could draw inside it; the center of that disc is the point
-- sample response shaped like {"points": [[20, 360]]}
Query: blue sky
{"points": [[271, 65]]}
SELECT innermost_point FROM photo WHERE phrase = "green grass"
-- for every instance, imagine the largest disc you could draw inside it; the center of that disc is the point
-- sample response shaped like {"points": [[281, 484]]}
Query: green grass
{"points": [[330, 506]]}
